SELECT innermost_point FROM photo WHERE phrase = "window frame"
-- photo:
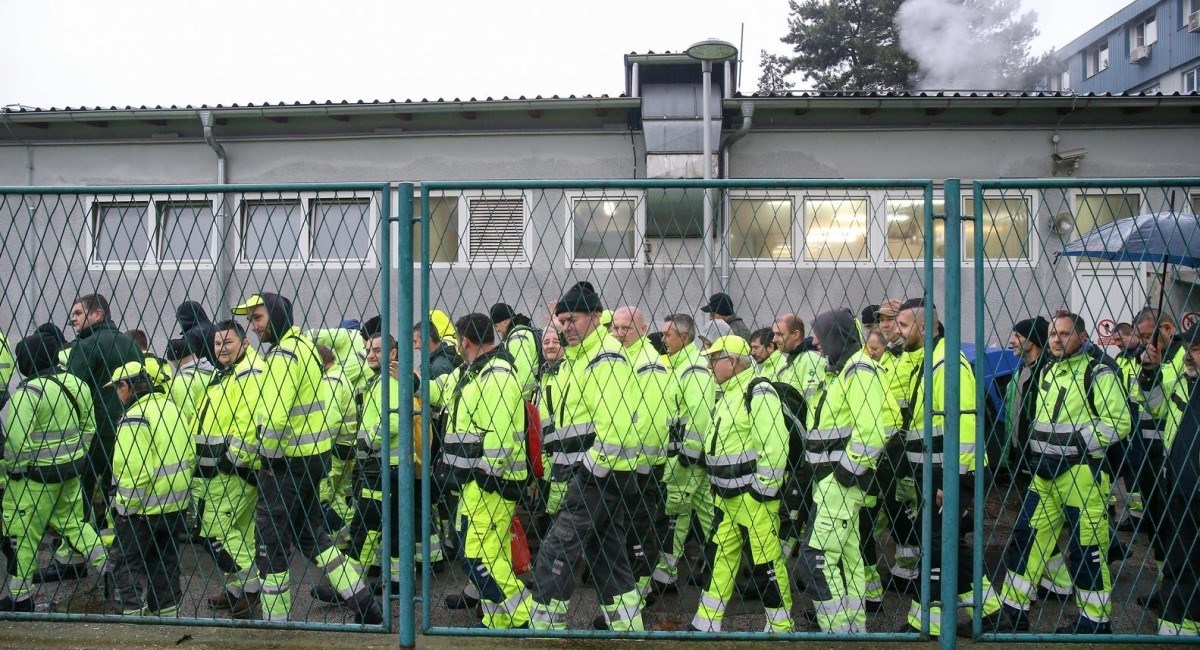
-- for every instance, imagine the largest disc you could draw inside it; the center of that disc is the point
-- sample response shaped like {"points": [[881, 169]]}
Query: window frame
{"points": [[1092, 59], [1194, 73], [1034, 236], [463, 224], [796, 197], [151, 207], [307, 201], [639, 229], [1138, 29]]}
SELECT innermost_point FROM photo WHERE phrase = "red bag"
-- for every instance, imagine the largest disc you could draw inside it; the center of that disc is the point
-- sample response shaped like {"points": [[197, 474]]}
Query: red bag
{"points": [[521, 561], [533, 439]]}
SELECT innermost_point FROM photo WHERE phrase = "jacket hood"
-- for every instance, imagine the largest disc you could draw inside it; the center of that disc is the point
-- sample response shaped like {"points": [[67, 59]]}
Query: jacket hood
{"points": [[189, 314], [838, 335], [53, 331], [279, 314], [36, 354], [104, 325], [341, 341]]}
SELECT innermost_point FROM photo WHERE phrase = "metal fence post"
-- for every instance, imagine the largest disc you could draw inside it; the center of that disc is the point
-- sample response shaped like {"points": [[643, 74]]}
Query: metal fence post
{"points": [[404, 216], [950, 482]]}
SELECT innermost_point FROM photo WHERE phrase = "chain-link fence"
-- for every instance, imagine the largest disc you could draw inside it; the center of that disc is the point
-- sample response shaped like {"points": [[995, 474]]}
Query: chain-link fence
{"points": [[1087, 514], [781, 252], [668, 494], [161, 464]]}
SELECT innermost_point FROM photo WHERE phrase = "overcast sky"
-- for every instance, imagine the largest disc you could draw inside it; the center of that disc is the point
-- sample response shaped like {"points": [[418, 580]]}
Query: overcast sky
{"points": [[133, 52]]}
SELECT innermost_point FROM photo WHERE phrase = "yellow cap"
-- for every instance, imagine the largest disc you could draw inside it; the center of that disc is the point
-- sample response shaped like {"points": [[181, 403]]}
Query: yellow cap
{"points": [[159, 372], [127, 371], [245, 308], [729, 344], [606, 317]]}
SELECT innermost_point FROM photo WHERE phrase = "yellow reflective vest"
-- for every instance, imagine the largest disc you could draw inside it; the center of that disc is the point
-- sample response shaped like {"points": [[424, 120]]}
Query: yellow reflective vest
{"points": [[696, 395], [225, 422], [152, 460], [370, 430], [485, 436], [746, 446], [915, 437], [522, 346], [1081, 409], [846, 432], [657, 393], [598, 406], [51, 421], [187, 389], [293, 418]]}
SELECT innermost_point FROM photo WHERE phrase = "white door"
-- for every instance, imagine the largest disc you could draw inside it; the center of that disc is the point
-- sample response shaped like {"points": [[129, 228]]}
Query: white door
{"points": [[1106, 293]]}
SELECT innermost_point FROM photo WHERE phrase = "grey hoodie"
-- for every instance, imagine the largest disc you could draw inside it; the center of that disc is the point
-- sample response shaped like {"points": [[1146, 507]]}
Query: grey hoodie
{"points": [[838, 336]]}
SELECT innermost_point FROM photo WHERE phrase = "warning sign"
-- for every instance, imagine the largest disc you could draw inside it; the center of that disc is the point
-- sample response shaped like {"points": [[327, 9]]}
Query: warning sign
{"points": [[1190, 319], [1106, 332]]}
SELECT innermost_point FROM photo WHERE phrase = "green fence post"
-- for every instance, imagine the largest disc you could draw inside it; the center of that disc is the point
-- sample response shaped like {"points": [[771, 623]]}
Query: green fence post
{"points": [[950, 442], [981, 394], [404, 216], [927, 488]]}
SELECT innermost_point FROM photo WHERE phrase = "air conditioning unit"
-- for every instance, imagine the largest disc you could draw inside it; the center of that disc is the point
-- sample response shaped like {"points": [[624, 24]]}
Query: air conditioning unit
{"points": [[1140, 53], [1194, 22]]}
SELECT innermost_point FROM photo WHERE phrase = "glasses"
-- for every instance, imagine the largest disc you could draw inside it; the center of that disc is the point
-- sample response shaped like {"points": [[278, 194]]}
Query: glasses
{"points": [[713, 361]]}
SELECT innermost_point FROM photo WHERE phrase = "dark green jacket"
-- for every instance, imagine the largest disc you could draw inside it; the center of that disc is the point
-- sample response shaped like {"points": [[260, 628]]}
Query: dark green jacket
{"points": [[98, 351]]}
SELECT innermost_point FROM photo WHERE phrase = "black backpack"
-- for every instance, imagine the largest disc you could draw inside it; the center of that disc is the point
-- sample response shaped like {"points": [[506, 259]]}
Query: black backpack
{"points": [[795, 416]]}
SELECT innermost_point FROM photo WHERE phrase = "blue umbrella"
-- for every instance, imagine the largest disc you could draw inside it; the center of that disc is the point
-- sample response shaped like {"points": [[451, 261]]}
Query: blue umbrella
{"points": [[1165, 237]]}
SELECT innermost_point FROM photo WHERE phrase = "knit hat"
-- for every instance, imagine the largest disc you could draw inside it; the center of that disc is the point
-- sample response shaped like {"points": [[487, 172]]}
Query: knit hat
{"points": [[581, 297], [869, 315], [1192, 336], [502, 312], [53, 331], [176, 349], [720, 304], [36, 353], [1037, 330]]}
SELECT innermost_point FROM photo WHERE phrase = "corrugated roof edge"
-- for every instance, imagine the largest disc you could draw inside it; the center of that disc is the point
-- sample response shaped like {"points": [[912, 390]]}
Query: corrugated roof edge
{"points": [[441, 101]]}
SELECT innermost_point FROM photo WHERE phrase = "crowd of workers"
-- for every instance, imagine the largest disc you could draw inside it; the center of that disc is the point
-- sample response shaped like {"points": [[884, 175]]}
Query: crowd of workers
{"points": [[789, 452]]}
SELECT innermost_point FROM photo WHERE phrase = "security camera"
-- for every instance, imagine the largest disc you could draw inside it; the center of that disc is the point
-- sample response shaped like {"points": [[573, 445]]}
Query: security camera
{"points": [[1067, 161], [1071, 156]]}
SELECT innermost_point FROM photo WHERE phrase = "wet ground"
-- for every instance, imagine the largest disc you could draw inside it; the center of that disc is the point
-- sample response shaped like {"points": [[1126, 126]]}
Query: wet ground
{"points": [[1132, 577]]}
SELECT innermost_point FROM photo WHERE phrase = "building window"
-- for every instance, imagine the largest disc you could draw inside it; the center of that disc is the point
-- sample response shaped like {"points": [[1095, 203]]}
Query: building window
{"points": [[119, 232], [285, 231], [185, 231], [1095, 210], [1196, 204], [443, 231], [604, 229], [1064, 80], [1191, 80], [272, 230], [674, 232], [1191, 14], [906, 229], [1096, 60], [341, 229], [1143, 33], [760, 228], [1006, 227], [835, 229]]}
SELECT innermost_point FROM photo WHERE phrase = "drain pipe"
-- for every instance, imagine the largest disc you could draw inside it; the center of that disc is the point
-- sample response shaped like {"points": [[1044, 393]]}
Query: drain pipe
{"points": [[723, 172], [222, 219]]}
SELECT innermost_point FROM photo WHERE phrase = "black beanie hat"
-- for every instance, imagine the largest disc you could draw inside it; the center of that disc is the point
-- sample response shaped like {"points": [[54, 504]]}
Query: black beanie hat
{"points": [[1037, 330], [371, 327], [501, 312], [579, 298], [53, 331], [870, 315], [36, 353]]}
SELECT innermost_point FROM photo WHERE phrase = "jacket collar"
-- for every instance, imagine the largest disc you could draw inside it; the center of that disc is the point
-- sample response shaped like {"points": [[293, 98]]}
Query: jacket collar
{"points": [[105, 325]]}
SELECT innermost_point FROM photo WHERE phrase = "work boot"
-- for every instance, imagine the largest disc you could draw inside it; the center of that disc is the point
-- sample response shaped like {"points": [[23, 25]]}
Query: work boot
{"points": [[366, 609], [7, 604], [377, 589], [873, 606], [1011, 619], [664, 588], [57, 572], [460, 601], [223, 600], [246, 607], [326, 594], [599, 623]]}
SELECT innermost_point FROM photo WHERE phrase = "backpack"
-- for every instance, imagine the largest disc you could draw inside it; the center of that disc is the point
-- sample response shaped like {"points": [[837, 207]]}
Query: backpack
{"points": [[795, 416], [537, 341]]}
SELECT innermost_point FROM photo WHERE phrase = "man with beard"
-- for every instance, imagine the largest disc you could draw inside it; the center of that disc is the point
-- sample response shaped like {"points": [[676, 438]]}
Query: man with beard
{"points": [[294, 450]]}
